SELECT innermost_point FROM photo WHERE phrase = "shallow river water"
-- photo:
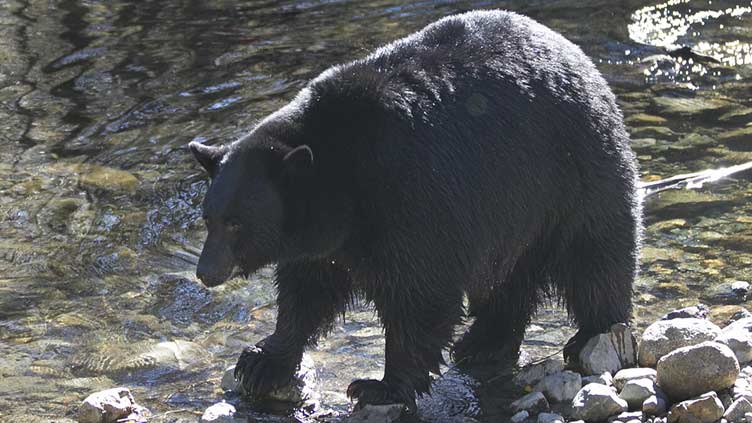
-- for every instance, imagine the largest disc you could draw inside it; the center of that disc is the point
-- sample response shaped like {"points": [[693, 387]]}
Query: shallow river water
{"points": [[99, 197]]}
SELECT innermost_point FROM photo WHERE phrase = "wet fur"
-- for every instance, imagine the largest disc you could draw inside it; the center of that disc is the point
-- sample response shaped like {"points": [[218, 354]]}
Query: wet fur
{"points": [[484, 155]]}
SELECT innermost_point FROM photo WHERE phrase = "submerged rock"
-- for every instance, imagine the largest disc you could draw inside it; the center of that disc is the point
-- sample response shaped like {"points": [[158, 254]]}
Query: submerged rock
{"points": [[691, 371], [730, 292], [699, 311], [664, 336], [377, 414], [705, 409], [596, 402]]}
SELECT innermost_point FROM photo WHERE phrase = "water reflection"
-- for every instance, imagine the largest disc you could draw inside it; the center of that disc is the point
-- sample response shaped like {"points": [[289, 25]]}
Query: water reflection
{"points": [[100, 217]]}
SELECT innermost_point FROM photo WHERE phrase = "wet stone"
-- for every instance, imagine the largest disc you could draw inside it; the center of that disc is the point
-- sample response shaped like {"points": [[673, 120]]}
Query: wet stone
{"points": [[533, 402], [730, 292], [533, 374], [561, 386], [220, 413], [109, 406], [519, 417], [550, 418]]}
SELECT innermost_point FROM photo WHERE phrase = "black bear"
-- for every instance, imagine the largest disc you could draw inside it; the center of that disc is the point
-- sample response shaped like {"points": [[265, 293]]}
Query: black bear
{"points": [[483, 156]]}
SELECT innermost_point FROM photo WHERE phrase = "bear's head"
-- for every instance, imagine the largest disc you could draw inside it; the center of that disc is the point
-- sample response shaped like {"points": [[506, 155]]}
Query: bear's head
{"points": [[244, 208]]}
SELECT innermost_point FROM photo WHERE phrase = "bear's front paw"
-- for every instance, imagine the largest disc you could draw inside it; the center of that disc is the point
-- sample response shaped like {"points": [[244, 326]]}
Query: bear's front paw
{"points": [[261, 371], [376, 392]]}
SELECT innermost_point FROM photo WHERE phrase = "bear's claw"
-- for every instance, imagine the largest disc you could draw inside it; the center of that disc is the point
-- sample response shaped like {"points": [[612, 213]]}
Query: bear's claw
{"points": [[376, 392], [260, 371]]}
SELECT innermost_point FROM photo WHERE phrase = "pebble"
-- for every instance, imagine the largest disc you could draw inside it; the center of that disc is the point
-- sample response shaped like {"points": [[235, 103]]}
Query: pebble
{"points": [[596, 402], [624, 376], [705, 409], [665, 336], [533, 402], [559, 387], [691, 371], [635, 392]]}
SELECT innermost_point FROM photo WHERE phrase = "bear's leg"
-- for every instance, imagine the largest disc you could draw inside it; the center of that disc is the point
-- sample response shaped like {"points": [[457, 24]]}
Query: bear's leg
{"points": [[501, 317], [596, 278], [419, 324], [310, 296]]}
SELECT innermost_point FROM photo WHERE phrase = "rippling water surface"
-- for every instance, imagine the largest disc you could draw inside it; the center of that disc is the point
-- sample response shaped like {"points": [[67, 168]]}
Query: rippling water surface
{"points": [[99, 198]]}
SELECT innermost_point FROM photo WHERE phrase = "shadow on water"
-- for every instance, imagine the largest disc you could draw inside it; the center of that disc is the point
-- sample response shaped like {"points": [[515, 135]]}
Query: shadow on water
{"points": [[100, 199]]}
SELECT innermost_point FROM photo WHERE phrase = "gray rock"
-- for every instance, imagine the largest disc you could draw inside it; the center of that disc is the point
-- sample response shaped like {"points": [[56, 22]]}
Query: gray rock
{"points": [[705, 409], [664, 336], [596, 402], [559, 387], [550, 418], [690, 371], [737, 410], [377, 414], [699, 311], [744, 323], [603, 379], [655, 405], [730, 292], [520, 417], [740, 342], [636, 391], [531, 375], [624, 376], [107, 406], [220, 412], [599, 355], [533, 402], [625, 343]]}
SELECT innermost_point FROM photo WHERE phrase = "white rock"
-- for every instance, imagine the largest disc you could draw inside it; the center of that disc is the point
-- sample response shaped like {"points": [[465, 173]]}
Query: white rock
{"points": [[220, 412], [664, 336], [107, 406], [559, 387], [744, 323], [705, 409], [739, 340], [624, 376], [627, 417], [377, 414], [520, 417], [690, 371], [596, 402], [655, 405], [533, 402], [699, 311], [550, 418], [603, 379], [531, 375], [737, 410], [599, 355]]}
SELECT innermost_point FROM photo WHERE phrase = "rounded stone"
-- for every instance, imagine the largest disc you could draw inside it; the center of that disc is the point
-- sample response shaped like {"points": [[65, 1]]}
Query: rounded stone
{"points": [[664, 336], [596, 402], [694, 370]]}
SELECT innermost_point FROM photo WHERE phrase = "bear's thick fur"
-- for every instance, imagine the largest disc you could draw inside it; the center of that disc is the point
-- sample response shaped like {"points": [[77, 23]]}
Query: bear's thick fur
{"points": [[483, 155]]}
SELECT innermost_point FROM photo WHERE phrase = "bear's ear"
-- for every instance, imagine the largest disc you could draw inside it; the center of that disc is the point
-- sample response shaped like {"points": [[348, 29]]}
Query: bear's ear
{"points": [[299, 158], [208, 156]]}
